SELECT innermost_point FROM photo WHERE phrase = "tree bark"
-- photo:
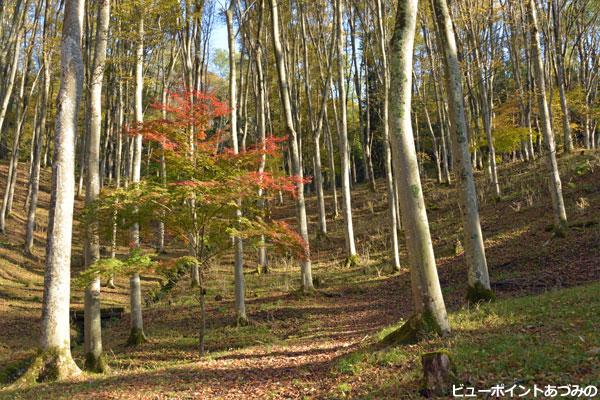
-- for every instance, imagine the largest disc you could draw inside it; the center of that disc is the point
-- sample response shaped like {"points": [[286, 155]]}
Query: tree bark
{"points": [[240, 302], [306, 270], [479, 281], [427, 292], [344, 148], [560, 214], [93, 330], [560, 78], [389, 176], [137, 335], [55, 332]]}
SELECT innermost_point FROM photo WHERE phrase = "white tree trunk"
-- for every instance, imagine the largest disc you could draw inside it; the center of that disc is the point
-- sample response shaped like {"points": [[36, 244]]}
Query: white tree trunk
{"points": [[344, 148], [55, 332], [11, 78], [479, 281], [240, 302], [137, 334], [93, 329], [427, 292], [389, 174], [263, 262], [560, 214], [307, 283], [560, 78]]}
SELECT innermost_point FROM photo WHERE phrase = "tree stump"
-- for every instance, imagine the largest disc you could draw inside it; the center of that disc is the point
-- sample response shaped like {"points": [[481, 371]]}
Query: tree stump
{"points": [[438, 374]]}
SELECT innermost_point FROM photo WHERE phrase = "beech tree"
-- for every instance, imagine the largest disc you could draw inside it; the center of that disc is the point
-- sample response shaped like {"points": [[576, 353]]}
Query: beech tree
{"points": [[137, 335], [479, 281], [296, 167], [55, 360], [344, 155], [558, 204], [93, 331], [426, 290]]}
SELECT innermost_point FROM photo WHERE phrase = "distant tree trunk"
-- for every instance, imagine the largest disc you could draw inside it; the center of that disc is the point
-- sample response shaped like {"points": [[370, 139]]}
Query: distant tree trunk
{"points": [[344, 155], [486, 100], [34, 179], [479, 281], [263, 263], [316, 122], [12, 74], [560, 77], [332, 175], [444, 149], [93, 331], [560, 214], [22, 100], [240, 302], [55, 361], [427, 293], [137, 334], [296, 167], [389, 176], [362, 123]]}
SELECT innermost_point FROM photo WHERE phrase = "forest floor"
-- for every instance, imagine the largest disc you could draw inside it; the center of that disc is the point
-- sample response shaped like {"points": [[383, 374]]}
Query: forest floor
{"points": [[543, 329]]}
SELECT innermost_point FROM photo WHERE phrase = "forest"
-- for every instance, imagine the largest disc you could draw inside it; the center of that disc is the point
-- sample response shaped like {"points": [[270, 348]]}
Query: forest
{"points": [[299, 199]]}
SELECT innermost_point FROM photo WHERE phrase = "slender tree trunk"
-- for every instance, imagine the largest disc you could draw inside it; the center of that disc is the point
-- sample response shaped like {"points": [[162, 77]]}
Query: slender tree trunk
{"points": [[332, 174], [93, 330], [137, 334], [240, 302], [316, 126], [262, 128], [560, 78], [34, 175], [11, 78], [560, 214], [427, 293], [307, 282], [386, 138], [344, 155], [479, 281]]}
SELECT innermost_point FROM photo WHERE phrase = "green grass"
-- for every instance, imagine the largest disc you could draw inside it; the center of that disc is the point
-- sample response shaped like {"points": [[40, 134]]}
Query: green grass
{"points": [[550, 338], [547, 338]]}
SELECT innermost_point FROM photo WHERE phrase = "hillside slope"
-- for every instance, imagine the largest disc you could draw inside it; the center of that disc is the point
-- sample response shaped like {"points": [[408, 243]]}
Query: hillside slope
{"points": [[310, 347]]}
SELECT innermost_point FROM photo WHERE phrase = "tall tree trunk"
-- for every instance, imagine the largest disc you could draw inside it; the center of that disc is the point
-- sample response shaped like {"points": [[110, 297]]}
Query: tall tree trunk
{"points": [[306, 271], [11, 78], [332, 174], [560, 214], [263, 263], [240, 302], [137, 335], [389, 176], [55, 333], [93, 330], [316, 124], [34, 180], [427, 293], [479, 281], [344, 147], [560, 77]]}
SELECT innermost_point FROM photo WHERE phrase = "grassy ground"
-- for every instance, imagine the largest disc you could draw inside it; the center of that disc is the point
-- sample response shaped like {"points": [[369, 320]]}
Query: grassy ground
{"points": [[319, 346]]}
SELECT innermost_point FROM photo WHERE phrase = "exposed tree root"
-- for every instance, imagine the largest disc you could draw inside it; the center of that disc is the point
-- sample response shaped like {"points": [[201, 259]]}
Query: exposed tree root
{"points": [[417, 328], [479, 294], [96, 364], [242, 321], [48, 366], [136, 337], [352, 261]]}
